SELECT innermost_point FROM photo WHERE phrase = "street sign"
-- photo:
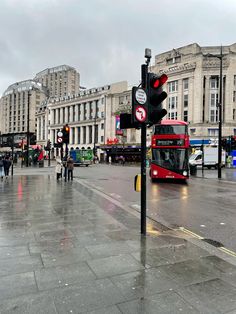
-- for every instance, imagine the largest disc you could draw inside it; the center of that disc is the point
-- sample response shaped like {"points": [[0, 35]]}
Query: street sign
{"points": [[140, 114], [60, 137], [141, 96]]}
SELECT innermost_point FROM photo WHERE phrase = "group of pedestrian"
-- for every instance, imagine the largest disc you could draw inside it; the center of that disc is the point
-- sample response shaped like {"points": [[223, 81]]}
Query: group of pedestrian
{"points": [[68, 165], [5, 164]]}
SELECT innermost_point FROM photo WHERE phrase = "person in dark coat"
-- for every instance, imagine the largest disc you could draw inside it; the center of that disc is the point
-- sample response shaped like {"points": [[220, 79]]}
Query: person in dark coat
{"points": [[70, 168], [6, 165]]}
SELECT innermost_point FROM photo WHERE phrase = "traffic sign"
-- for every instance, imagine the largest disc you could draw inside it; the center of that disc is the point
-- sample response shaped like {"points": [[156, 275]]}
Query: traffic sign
{"points": [[60, 137], [140, 114], [141, 96]]}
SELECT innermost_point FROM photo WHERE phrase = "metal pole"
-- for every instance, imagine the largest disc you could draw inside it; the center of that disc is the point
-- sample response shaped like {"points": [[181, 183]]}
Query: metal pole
{"points": [[66, 156], [144, 69], [12, 153], [220, 119], [22, 152], [143, 178], [28, 130], [49, 156], [95, 120]]}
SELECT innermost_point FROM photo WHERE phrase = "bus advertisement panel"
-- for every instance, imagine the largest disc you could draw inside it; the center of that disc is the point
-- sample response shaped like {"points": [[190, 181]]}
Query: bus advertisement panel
{"points": [[170, 150]]}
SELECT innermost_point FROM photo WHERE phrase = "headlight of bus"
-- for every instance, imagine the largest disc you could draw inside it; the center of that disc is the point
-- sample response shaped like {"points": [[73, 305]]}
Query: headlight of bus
{"points": [[185, 173], [155, 172]]}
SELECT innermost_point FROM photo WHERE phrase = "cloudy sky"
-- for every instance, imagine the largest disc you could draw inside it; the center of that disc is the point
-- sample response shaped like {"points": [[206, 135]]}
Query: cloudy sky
{"points": [[104, 39]]}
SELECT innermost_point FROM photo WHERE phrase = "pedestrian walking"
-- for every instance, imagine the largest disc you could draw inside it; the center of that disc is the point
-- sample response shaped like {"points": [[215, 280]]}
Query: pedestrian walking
{"points": [[58, 169], [1, 168], [122, 160], [6, 165], [229, 161], [109, 160], [70, 168]]}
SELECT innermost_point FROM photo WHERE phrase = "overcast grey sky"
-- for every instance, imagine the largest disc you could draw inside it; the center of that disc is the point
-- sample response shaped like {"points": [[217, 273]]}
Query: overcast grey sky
{"points": [[104, 39]]}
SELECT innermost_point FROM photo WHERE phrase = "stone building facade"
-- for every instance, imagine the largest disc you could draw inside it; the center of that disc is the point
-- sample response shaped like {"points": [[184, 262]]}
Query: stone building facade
{"points": [[19, 99], [91, 115], [60, 81], [57, 83], [193, 87]]}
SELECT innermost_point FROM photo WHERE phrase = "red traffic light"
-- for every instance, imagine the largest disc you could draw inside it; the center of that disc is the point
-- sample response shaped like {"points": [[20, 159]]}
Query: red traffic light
{"points": [[159, 81]]}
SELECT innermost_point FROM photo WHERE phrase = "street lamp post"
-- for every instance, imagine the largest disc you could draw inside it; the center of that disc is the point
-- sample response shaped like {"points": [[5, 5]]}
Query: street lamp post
{"points": [[28, 130], [95, 121], [220, 57]]}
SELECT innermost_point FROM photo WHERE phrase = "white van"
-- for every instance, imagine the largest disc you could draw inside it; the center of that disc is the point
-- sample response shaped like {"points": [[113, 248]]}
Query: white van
{"points": [[210, 158]]}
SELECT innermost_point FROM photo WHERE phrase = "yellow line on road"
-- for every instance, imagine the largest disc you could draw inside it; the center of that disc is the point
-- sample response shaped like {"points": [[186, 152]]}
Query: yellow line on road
{"points": [[190, 233], [223, 249]]}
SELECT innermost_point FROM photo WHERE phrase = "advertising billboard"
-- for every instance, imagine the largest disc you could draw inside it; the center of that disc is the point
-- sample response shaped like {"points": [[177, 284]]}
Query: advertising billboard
{"points": [[118, 130]]}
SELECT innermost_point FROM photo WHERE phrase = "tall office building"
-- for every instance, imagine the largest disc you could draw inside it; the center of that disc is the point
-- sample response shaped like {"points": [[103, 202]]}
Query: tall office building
{"points": [[60, 81], [18, 105]]}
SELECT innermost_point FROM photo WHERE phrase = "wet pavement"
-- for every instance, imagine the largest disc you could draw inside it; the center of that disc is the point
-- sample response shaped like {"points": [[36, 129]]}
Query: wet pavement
{"points": [[65, 248]]}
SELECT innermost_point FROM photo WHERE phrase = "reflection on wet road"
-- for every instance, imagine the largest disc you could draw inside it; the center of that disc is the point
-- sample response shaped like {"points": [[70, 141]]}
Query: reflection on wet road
{"points": [[204, 206]]}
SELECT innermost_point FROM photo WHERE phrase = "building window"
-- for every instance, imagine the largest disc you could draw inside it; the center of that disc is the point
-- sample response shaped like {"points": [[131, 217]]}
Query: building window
{"points": [[214, 82], [78, 135], [85, 112], [234, 114], [234, 96], [173, 60], [213, 113], [84, 134], [173, 102], [74, 113], [213, 132], [186, 115], [90, 134], [173, 86], [96, 133], [102, 139], [90, 111], [102, 126], [234, 80], [185, 84], [185, 100], [192, 131], [121, 100]]}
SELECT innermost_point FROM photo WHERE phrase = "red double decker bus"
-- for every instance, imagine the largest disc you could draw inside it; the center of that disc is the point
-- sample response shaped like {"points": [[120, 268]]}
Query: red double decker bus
{"points": [[170, 150]]}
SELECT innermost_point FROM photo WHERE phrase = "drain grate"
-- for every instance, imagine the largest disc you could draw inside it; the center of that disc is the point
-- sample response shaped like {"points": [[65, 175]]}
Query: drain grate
{"points": [[213, 242]]}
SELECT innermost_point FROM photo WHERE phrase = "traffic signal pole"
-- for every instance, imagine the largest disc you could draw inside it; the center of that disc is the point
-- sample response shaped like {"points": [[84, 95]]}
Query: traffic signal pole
{"points": [[220, 119], [144, 70], [147, 109]]}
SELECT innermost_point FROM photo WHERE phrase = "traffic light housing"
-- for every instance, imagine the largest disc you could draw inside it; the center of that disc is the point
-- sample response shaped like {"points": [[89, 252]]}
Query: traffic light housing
{"points": [[224, 143], [156, 95], [66, 134], [233, 142], [48, 146]]}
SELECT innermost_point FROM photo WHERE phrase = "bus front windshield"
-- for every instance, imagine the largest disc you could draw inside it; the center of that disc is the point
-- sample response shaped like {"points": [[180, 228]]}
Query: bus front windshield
{"points": [[172, 159]]}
